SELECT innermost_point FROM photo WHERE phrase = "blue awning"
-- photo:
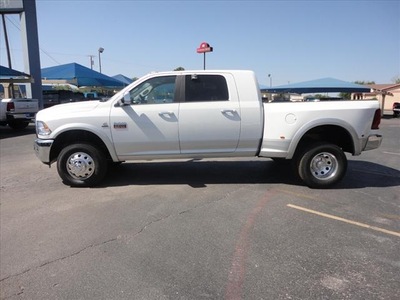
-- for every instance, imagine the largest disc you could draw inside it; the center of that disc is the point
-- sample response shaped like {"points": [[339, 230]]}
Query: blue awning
{"points": [[8, 75], [125, 80], [324, 85], [7, 72], [79, 75]]}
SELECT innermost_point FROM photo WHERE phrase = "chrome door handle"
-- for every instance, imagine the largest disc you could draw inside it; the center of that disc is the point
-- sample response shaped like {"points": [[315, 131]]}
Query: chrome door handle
{"points": [[224, 111], [162, 113]]}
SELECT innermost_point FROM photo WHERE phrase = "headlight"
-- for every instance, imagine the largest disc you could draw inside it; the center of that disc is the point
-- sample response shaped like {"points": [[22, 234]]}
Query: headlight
{"points": [[42, 128]]}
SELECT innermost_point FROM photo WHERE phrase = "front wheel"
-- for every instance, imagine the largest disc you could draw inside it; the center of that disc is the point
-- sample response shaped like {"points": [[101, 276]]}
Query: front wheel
{"points": [[81, 165], [322, 165]]}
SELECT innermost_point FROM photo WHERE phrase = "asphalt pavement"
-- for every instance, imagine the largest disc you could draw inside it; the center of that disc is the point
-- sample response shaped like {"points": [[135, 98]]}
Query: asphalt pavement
{"points": [[202, 229]]}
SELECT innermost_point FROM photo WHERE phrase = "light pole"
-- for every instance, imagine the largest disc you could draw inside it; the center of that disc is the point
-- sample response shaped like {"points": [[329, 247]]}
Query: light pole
{"points": [[270, 80], [100, 51]]}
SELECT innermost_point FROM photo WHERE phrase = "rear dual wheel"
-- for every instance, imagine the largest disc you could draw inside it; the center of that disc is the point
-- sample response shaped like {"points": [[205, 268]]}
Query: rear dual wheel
{"points": [[321, 165]]}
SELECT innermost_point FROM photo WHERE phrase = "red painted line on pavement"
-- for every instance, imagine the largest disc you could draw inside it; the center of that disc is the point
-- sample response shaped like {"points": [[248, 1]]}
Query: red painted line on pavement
{"points": [[237, 273]]}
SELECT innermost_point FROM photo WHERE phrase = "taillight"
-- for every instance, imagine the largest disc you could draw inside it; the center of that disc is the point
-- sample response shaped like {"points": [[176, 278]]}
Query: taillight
{"points": [[10, 106], [377, 119]]}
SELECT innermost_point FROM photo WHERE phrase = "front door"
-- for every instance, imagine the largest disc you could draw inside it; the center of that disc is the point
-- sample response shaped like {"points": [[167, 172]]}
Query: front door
{"points": [[148, 125]]}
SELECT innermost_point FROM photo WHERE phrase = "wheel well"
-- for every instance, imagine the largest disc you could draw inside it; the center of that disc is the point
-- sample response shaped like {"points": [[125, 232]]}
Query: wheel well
{"points": [[328, 133], [77, 136]]}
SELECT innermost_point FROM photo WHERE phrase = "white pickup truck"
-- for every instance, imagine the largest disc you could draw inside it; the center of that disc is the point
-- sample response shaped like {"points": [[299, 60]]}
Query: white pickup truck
{"points": [[18, 112], [204, 114]]}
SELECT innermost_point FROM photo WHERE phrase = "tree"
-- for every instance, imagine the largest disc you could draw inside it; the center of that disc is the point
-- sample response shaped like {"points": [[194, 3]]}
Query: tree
{"points": [[396, 79], [348, 95], [364, 82], [179, 69], [345, 95]]}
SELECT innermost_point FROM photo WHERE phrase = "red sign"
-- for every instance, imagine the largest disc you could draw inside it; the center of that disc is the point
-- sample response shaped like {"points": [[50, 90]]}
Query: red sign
{"points": [[204, 47]]}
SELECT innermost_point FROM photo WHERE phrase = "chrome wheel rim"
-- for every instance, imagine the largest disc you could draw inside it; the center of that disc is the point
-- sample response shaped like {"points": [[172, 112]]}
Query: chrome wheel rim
{"points": [[80, 165], [324, 166]]}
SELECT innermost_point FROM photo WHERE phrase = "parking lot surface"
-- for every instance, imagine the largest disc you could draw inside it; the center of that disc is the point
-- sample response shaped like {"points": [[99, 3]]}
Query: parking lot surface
{"points": [[207, 229]]}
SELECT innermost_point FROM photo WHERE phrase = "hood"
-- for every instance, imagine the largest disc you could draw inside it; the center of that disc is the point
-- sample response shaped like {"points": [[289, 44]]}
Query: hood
{"points": [[69, 108]]}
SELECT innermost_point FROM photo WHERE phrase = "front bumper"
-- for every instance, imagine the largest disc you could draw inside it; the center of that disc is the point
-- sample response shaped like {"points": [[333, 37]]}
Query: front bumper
{"points": [[42, 150], [373, 142]]}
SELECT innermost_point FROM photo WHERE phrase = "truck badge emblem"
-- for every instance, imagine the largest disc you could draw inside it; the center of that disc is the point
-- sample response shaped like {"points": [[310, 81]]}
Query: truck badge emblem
{"points": [[120, 126]]}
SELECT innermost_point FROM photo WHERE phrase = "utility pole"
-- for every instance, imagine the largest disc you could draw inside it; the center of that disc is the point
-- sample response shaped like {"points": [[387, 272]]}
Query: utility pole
{"points": [[91, 61], [10, 87], [6, 40]]}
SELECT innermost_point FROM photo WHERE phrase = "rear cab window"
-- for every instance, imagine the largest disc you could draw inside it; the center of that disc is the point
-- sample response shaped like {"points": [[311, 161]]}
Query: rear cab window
{"points": [[201, 88]]}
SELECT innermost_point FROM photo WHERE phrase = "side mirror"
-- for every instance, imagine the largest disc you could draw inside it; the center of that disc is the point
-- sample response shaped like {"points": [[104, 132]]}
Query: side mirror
{"points": [[125, 100]]}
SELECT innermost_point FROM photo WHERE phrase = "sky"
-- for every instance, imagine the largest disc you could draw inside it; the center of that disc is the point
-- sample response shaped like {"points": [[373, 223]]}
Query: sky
{"points": [[293, 41]]}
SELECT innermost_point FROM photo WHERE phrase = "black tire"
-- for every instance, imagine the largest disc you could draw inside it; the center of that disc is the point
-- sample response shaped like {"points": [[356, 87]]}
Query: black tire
{"points": [[279, 159], [282, 162], [321, 165], [81, 165], [18, 124]]}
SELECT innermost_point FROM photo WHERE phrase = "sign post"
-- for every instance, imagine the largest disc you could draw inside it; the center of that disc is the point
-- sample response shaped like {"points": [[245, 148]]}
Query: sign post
{"points": [[30, 42], [204, 48]]}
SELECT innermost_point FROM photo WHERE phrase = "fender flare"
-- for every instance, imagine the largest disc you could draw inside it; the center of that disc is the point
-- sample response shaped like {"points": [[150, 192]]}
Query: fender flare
{"points": [[325, 122], [92, 129]]}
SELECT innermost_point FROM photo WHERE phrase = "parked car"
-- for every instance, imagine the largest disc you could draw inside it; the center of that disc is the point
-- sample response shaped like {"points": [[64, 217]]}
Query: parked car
{"points": [[53, 97], [396, 109], [317, 99]]}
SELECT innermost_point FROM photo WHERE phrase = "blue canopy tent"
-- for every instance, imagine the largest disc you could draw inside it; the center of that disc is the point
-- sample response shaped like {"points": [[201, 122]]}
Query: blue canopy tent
{"points": [[8, 75], [125, 80], [7, 72], [79, 75], [324, 85]]}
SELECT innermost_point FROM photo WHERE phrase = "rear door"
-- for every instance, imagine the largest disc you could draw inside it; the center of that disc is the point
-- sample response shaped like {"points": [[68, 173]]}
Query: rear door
{"points": [[209, 114]]}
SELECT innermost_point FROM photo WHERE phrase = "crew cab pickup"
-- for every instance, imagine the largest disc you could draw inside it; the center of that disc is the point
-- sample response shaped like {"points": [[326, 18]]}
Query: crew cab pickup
{"points": [[204, 114], [18, 112]]}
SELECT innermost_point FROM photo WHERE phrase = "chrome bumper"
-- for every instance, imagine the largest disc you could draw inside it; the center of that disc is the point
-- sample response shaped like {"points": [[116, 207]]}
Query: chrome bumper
{"points": [[21, 116], [42, 149], [373, 142]]}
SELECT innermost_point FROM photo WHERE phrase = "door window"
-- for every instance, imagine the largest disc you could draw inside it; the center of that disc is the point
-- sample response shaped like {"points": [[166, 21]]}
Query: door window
{"points": [[206, 88], [154, 91]]}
